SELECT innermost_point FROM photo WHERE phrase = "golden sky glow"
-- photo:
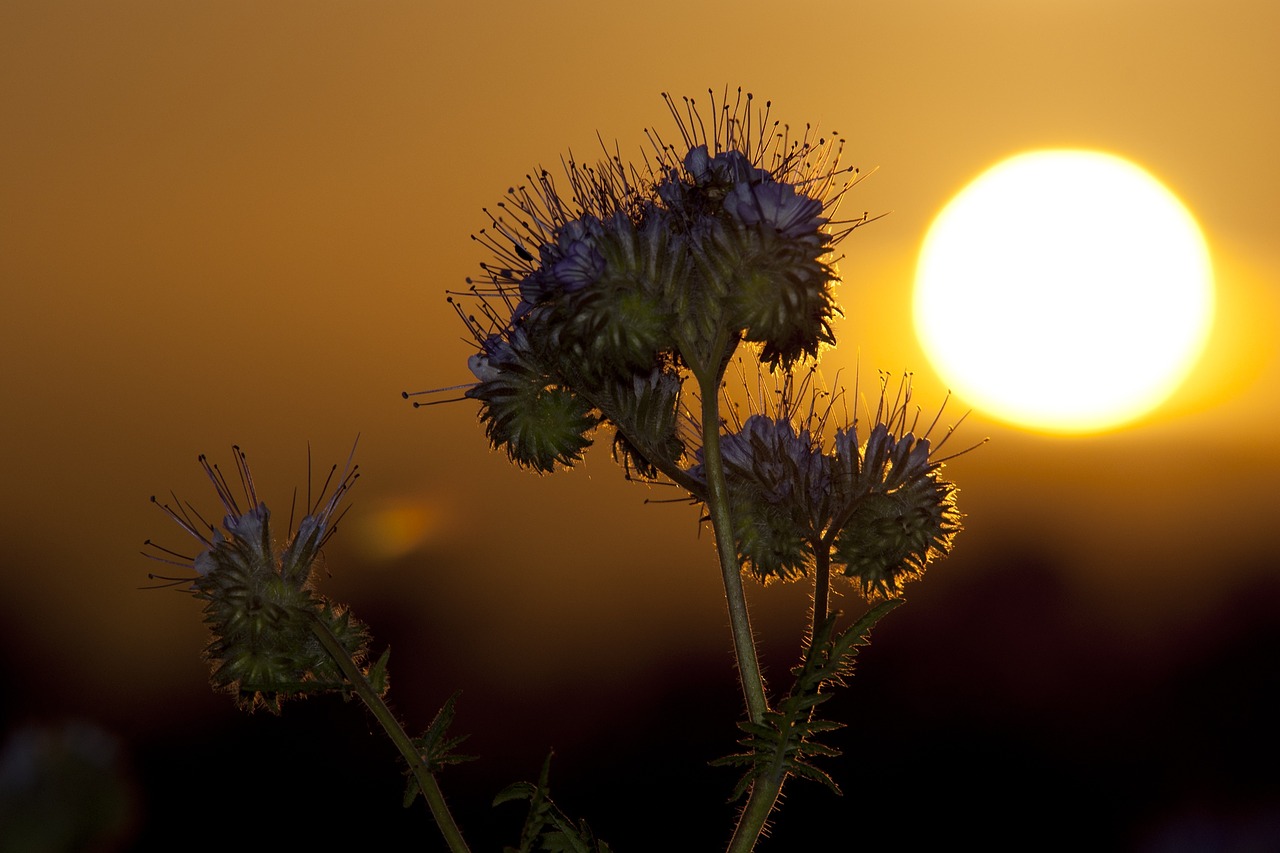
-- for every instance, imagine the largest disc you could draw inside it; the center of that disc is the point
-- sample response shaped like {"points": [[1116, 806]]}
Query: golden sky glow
{"points": [[234, 222]]}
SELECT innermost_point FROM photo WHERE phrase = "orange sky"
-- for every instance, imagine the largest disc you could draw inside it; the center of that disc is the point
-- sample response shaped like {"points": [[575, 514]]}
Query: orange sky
{"points": [[234, 222]]}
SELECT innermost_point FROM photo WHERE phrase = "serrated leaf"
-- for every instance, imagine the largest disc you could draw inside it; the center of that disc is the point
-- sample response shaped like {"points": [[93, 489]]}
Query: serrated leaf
{"points": [[378, 673], [545, 825], [808, 771], [823, 726], [515, 791], [436, 750], [757, 729], [740, 759], [784, 740], [559, 841], [863, 626], [804, 703], [411, 791], [815, 748]]}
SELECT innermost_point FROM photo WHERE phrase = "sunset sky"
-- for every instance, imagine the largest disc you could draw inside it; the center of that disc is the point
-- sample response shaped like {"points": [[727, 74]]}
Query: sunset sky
{"points": [[235, 223]]}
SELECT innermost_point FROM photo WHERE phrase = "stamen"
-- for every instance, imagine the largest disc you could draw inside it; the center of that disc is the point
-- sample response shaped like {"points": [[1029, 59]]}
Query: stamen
{"points": [[186, 560], [246, 479], [169, 582], [220, 486], [183, 520]]}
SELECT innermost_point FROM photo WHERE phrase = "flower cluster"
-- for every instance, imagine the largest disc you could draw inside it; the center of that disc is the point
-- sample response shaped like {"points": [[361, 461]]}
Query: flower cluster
{"points": [[879, 509], [601, 298], [606, 301], [259, 600]]}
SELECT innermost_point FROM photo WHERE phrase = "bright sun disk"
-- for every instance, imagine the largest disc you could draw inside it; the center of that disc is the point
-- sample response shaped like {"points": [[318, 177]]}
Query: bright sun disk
{"points": [[1064, 290]]}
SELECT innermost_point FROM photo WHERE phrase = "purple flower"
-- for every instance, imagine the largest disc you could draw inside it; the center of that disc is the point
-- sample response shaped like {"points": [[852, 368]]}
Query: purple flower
{"points": [[779, 207], [579, 263], [726, 167]]}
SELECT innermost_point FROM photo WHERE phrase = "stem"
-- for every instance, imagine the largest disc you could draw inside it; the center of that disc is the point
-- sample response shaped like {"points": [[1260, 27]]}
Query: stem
{"points": [[425, 778], [765, 790], [764, 793], [767, 787], [744, 647], [821, 586]]}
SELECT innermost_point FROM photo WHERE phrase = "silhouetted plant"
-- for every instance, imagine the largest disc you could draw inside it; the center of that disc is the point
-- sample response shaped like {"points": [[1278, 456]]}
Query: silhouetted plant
{"points": [[617, 305]]}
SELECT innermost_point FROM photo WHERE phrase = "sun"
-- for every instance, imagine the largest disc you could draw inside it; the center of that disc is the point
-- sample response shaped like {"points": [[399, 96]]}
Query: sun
{"points": [[1066, 291]]}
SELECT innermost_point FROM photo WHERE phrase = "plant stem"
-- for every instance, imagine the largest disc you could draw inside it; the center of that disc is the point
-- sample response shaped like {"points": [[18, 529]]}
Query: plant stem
{"points": [[821, 586], [425, 778], [764, 793], [726, 547]]}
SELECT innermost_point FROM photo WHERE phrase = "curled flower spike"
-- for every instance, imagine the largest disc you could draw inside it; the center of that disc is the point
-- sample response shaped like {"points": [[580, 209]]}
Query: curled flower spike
{"points": [[880, 511], [259, 601], [622, 273]]}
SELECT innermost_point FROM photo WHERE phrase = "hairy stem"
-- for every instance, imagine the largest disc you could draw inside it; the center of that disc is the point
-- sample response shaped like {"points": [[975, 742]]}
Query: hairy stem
{"points": [[426, 779], [726, 547], [764, 791], [821, 587], [764, 794]]}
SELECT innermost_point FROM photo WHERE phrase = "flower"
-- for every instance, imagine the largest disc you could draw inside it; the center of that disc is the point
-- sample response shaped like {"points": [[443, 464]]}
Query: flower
{"points": [[259, 601], [660, 269], [899, 514], [777, 206], [879, 510]]}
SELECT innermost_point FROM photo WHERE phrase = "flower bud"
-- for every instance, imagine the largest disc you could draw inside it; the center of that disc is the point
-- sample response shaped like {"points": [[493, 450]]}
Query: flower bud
{"points": [[618, 321], [902, 513], [538, 424], [644, 411], [259, 601]]}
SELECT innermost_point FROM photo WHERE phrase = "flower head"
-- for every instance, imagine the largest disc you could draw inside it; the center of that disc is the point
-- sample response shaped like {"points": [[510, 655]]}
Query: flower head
{"points": [[632, 272], [879, 510], [258, 595]]}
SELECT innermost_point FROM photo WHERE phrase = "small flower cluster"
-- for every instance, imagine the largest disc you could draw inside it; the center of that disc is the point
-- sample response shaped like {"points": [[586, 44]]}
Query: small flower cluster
{"points": [[601, 299], [878, 510], [259, 600]]}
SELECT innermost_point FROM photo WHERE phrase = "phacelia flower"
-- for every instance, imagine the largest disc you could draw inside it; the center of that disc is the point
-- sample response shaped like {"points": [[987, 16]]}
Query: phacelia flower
{"points": [[633, 272], [259, 600], [877, 511]]}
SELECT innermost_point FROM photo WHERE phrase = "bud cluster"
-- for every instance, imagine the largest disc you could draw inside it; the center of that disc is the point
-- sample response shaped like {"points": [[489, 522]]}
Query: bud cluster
{"points": [[878, 510], [259, 600], [600, 299]]}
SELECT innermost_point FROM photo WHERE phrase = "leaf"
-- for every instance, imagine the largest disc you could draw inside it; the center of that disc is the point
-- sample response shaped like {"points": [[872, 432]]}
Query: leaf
{"points": [[411, 791], [436, 750], [515, 791], [377, 675], [546, 825], [785, 741]]}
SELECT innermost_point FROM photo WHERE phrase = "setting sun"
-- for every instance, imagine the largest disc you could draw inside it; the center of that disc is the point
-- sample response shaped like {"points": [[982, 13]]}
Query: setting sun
{"points": [[1064, 290]]}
